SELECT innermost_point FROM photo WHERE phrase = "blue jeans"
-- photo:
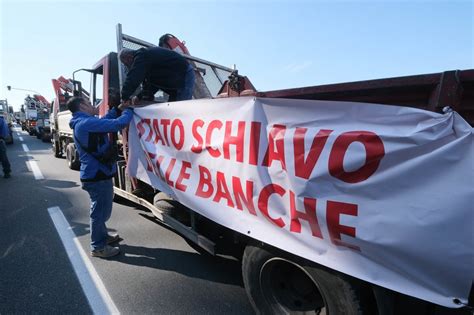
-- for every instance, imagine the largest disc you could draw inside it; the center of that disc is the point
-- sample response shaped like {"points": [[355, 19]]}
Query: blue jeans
{"points": [[186, 93], [4, 157], [101, 194]]}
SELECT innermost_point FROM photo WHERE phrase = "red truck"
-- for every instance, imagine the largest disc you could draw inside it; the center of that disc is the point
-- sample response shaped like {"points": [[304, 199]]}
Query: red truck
{"points": [[279, 281]]}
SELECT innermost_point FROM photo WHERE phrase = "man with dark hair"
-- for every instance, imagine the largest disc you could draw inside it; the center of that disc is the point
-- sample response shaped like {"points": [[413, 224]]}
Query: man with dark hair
{"points": [[4, 133], [157, 69], [97, 156]]}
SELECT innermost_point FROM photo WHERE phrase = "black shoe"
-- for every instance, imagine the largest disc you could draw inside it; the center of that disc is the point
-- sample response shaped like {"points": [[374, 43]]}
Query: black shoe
{"points": [[106, 252], [7, 175]]}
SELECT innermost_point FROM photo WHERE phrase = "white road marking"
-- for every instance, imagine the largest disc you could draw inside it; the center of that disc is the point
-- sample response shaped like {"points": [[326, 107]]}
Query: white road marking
{"points": [[21, 138], [93, 287], [33, 166]]}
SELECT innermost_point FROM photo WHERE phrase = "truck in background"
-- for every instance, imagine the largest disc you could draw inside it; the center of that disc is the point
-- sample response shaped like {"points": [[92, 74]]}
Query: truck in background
{"points": [[276, 281], [33, 108], [5, 112], [17, 116], [61, 134], [42, 128]]}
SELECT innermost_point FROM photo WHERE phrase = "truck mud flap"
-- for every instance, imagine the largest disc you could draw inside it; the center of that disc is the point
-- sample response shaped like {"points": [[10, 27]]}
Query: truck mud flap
{"points": [[180, 228]]}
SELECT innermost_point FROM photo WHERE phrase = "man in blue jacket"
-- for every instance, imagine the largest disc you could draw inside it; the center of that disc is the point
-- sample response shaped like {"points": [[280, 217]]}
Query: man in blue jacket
{"points": [[157, 69], [98, 167], [4, 133]]}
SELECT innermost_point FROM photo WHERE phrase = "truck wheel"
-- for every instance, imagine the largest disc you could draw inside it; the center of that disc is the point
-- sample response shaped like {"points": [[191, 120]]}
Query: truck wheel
{"points": [[279, 284], [72, 158], [39, 135], [171, 207]]}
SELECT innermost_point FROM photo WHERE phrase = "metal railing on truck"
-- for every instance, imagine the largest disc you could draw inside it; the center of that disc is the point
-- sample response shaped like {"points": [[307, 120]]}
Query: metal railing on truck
{"points": [[210, 76]]}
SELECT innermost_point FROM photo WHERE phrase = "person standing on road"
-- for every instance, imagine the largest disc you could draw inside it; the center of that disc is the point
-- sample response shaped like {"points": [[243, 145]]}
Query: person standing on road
{"points": [[157, 69], [98, 167], [4, 133]]}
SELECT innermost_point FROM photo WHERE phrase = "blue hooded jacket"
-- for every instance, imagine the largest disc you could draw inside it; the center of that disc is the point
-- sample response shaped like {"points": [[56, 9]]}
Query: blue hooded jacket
{"points": [[92, 133], [3, 128]]}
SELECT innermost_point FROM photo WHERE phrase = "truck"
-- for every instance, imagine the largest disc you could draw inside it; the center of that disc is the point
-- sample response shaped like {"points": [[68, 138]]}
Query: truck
{"points": [[42, 128], [61, 134], [279, 278], [17, 116], [4, 111], [34, 108]]}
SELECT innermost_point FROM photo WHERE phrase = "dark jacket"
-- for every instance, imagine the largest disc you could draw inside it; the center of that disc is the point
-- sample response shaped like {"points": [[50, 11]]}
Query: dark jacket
{"points": [[158, 68], [92, 133]]}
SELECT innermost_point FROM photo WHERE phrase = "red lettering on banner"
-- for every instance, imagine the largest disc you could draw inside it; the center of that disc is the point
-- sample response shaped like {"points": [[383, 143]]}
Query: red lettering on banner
{"points": [[263, 198], [197, 124], [204, 181], [237, 197], [374, 150], [239, 194], [183, 175], [140, 128], [309, 215], [222, 191], [156, 129], [254, 142], [276, 147], [178, 144], [238, 140], [304, 168], [149, 164], [150, 131], [159, 161], [165, 123], [333, 211], [215, 124], [168, 172]]}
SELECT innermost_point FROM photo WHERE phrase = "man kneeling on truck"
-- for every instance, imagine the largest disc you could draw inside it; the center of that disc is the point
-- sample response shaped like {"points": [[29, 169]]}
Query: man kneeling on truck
{"points": [[157, 68], [97, 156]]}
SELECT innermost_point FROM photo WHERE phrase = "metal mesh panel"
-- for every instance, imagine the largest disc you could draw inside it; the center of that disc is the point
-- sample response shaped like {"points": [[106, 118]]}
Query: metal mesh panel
{"points": [[209, 79], [132, 45]]}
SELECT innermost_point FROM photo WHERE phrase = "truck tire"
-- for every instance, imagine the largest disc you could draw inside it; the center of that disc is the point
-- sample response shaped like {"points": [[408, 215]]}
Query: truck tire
{"points": [[277, 283], [171, 207], [72, 157]]}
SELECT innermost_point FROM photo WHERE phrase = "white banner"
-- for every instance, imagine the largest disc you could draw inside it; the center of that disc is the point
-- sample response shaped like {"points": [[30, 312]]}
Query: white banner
{"points": [[383, 193]]}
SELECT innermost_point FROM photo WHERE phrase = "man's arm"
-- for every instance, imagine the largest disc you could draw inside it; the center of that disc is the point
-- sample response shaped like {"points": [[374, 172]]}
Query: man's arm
{"points": [[109, 125], [111, 114], [135, 75]]}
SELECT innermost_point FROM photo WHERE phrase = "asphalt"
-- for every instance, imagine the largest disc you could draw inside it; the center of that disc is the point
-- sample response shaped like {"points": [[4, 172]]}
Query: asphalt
{"points": [[156, 273]]}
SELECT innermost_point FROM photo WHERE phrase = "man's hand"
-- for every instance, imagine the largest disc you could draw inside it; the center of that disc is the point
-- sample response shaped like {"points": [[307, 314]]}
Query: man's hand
{"points": [[125, 104], [135, 100]]}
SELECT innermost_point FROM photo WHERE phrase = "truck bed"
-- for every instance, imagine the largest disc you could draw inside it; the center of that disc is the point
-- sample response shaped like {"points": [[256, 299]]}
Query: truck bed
{"points": [[428, 91], [63, 122]]}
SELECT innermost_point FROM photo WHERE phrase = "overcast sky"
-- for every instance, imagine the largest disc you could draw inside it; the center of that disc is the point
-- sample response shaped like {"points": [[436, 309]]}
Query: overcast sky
{"points": [[277, 44]]}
